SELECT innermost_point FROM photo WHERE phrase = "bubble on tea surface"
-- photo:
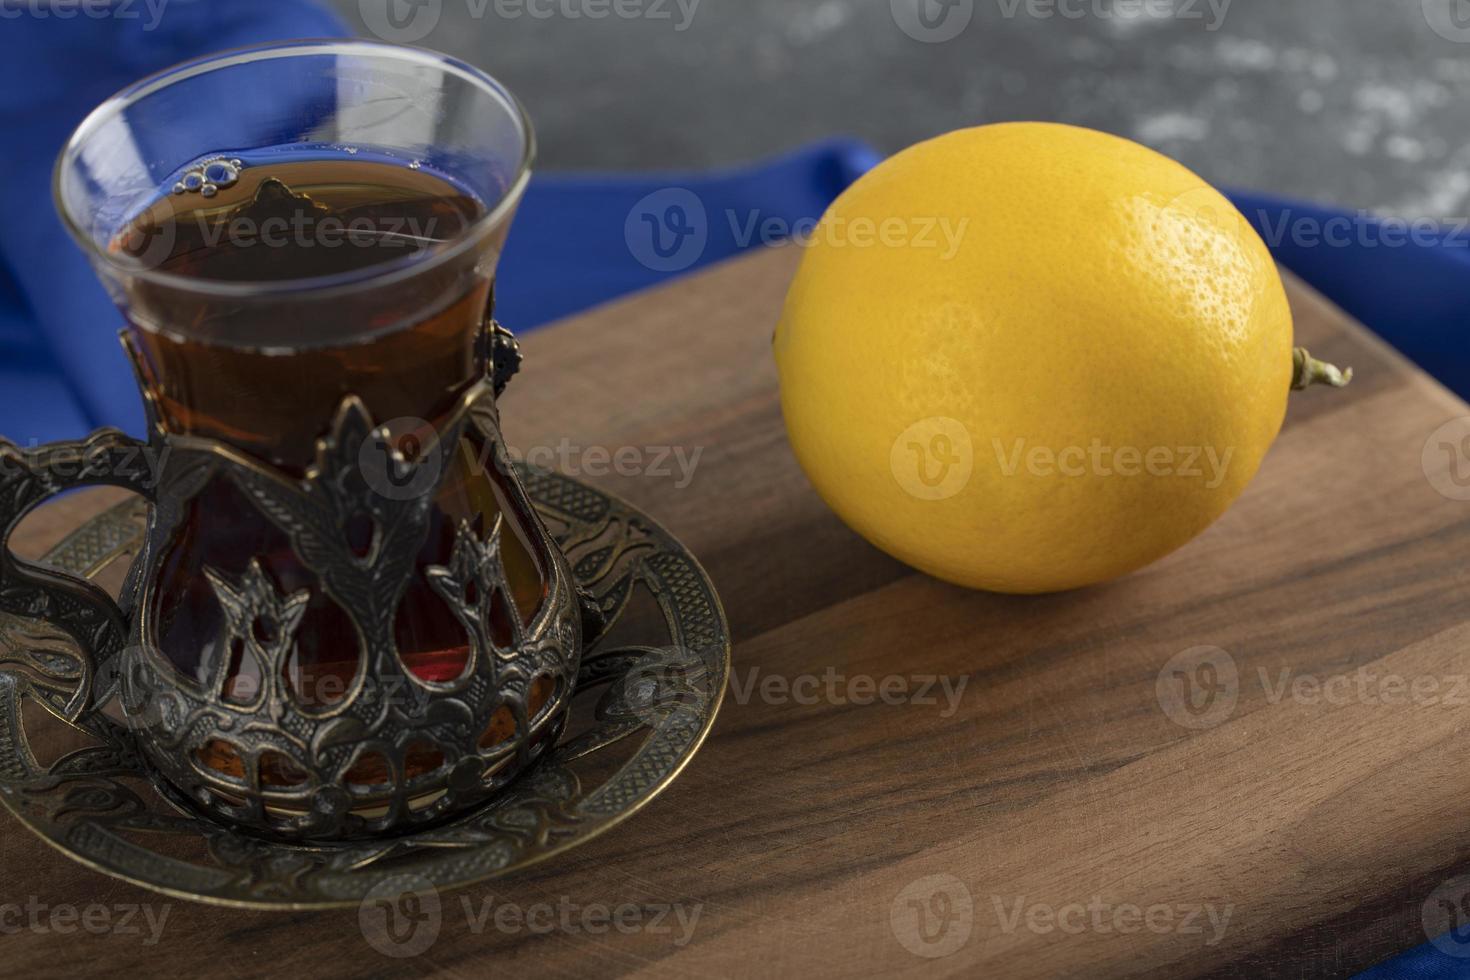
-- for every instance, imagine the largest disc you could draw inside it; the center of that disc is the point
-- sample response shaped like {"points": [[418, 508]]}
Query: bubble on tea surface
{"points": [[209, 176], [221, 173]]}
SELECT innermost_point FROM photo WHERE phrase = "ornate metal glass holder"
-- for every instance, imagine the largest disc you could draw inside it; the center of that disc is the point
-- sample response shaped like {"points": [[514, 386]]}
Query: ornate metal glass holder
{"points": [[650, 683], [266, 762]]}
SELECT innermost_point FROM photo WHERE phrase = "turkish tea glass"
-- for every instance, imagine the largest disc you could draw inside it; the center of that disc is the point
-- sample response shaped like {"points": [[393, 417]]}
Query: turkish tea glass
{"points": [[347, 617]]}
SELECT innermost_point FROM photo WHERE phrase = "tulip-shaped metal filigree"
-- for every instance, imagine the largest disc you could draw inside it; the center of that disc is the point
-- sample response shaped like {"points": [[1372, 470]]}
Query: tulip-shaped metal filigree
{"points": [[260, 623], [392, 748]]}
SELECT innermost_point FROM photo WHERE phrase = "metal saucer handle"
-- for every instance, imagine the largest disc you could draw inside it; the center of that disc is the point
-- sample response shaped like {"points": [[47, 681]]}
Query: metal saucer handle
{"points": [[28, 478]]}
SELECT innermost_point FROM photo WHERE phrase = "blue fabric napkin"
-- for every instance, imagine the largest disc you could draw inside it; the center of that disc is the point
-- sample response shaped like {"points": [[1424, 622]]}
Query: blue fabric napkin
{"points": [[579, 240], [1426, 962]]}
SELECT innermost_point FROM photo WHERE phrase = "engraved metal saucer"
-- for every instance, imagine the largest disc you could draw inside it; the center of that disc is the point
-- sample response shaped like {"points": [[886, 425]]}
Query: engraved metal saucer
{"points": [[646, 697]]}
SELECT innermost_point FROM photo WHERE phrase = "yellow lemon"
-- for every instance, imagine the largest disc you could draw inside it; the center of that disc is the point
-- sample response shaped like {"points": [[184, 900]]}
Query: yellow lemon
{"points": [[1031, 357]]}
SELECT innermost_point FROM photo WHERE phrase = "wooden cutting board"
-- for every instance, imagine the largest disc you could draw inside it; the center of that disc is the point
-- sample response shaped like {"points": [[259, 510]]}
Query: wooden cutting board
{"points": [[1069, 814]]}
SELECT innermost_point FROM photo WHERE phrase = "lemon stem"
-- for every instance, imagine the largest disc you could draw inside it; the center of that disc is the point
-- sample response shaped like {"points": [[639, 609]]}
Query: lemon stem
{"points": [[1308, 371]]}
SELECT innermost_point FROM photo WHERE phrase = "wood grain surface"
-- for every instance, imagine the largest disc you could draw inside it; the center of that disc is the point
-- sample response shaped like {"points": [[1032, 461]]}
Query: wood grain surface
{"points": [[1064, 815]]}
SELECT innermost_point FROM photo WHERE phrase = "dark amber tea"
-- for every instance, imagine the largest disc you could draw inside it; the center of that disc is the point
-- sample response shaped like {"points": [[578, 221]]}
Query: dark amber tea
{"points": [[269, 385], [292, 217]]}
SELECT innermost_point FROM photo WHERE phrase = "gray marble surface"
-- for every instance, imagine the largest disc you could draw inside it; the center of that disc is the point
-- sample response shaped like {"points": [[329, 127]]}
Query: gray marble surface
{"points": [[1363, 103]]}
